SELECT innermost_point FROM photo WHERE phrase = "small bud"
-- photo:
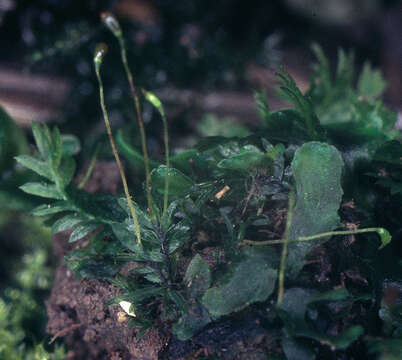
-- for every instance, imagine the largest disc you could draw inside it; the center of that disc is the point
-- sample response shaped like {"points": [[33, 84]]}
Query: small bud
{"points": [[153, 99], [100, 51], [111, 23]]}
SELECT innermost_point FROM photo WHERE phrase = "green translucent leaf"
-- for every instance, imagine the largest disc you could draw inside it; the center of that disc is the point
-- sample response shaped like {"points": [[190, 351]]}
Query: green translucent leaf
{"points": [[103, 207], [198, 277], [285, 125], [179, 184], [177, 236], [303, 105], [385, 237], [191, 322], [50, 209], [245, 159], [70, 145], [331, 295], [182, 160], [156, 255], [38, 166], [42, 139], [56, 147], [82, 230], [178, 300], [142, 270], [140, 294], [133, 157], [42, 189], [371, 83], [126, 237], [153, 278], [250, 279], [67, 170], [66, 223], [317, 170]]}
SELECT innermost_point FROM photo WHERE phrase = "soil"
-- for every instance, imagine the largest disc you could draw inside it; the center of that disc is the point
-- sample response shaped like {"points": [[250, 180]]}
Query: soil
{"points": [[94, 330]]}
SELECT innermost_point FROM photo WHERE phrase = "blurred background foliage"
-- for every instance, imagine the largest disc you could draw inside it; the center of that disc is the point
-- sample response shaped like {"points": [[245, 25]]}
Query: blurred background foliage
{"points": [[199, 56]]}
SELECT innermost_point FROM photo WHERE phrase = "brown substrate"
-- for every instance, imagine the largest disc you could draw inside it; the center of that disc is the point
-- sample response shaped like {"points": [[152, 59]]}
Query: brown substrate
{"points": [[92, 330]]}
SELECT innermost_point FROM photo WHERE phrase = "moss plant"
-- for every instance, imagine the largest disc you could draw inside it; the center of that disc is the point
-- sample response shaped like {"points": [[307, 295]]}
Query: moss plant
{"points": [[113, 25], [100, 52], [201, 240]]}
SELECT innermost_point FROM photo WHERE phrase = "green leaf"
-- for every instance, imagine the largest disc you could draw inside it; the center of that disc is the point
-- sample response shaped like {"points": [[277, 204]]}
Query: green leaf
{"points": [[66, 223], [41, 134], [56, 147], [249, 279], [371, 83], [198, 277], [177, 236], [154, 278], [247, 158], [43, 190], [67, 170], [302, 103], [331, 295], [38, 166], [179, 184], [140, 294], [70, 145], [103, 207], [178, 300], [50, 209], [82, 230], [191, 322], [317, 170], [133, 157], [126, 237], [285, 125], [293, 311], [385, 237]]}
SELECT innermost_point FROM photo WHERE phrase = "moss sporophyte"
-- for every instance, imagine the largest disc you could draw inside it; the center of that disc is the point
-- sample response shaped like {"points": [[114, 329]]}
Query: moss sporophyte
{"points": [[197, 242]]}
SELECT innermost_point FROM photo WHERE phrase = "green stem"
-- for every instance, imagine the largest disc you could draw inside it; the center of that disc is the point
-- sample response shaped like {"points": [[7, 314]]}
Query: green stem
{"points": [[309, 238], [136, 99], [90, 169], [285, 241], [153, 99], [165, 131], [98, 59]]}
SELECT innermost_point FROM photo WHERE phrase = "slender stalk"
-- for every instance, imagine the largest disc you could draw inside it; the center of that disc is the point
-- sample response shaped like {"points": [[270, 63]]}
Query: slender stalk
{"points": [[90, 169], [284, 254], [99, 54], [310, 238], [154, 100], [113, 25]]}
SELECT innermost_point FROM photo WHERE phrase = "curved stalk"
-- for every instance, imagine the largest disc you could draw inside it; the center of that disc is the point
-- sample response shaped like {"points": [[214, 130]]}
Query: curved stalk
{"points": [[113, 25], [154, 100], [100, 51]]}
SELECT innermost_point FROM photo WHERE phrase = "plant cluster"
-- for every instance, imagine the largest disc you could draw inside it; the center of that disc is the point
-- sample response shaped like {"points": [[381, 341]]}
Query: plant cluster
{"points": [[201, 245]]}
